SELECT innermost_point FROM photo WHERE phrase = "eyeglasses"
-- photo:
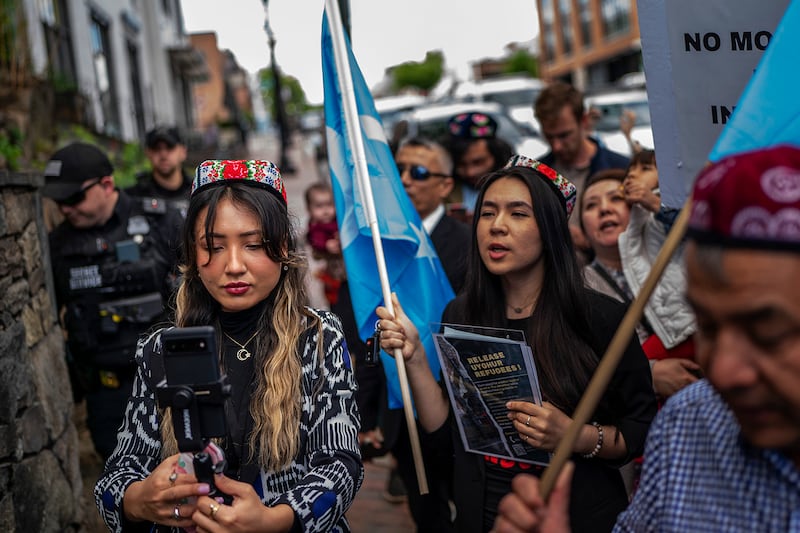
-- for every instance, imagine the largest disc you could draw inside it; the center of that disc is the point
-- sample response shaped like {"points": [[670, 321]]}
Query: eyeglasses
{"points": [[78, 196], [419, 172]]}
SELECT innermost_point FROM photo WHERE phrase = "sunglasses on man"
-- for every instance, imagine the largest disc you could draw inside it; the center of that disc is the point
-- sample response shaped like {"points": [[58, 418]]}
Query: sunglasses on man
{"points": [[78, 196], [419, 172]]}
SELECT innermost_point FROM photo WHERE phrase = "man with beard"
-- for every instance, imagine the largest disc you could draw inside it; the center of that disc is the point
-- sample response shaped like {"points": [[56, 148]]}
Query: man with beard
{"points": [[475, 150], [166, 181], [574, 154]]}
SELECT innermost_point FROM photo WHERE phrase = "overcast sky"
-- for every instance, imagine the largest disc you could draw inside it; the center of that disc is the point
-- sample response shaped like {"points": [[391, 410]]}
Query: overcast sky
{"points": [[384, 32]]}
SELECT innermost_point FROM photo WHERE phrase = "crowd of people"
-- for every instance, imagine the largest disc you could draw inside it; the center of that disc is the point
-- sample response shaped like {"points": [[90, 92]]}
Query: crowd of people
{"points": [[698, 429]]}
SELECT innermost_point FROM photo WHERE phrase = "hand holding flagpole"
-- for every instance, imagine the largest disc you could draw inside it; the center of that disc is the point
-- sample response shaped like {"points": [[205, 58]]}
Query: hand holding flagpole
{"points": [[354, 133]]}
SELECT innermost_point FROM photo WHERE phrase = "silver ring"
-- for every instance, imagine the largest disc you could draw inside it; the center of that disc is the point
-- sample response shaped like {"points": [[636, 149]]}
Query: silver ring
{"points": [[525, 438], [378, 325], [176, 512], [172, 477], [528, 421]]}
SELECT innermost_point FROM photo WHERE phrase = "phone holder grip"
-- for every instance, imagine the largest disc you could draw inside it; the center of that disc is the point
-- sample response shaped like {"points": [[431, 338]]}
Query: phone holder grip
{"points": [[185, 402]]}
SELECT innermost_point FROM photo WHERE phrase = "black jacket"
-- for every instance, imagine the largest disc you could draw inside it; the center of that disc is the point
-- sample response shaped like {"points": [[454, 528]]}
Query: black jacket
{"points": [[598, 493]]}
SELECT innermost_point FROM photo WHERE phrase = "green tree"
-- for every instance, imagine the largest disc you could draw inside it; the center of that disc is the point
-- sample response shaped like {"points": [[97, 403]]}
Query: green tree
{"points": [[522, 61], [423, 76], [294, 97]]}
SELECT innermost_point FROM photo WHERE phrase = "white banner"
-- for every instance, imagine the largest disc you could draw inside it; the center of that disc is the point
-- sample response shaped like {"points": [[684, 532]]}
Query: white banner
{"points": [[698, 57]]}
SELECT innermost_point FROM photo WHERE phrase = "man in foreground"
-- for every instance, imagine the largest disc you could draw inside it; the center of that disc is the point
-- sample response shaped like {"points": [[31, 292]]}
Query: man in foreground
{"points": [[724, 453]]}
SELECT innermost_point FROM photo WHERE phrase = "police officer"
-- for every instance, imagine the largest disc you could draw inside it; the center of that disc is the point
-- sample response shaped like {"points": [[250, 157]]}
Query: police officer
{"points": [[167, 180], [112, 261]]}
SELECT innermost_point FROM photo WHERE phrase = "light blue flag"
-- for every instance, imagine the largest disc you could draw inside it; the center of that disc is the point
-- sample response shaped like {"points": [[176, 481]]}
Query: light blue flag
{"points": [[415, 273], [768, 112]]}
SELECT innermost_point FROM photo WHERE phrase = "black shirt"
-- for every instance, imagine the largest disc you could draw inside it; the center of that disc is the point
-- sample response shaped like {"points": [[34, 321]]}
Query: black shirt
{"points": [[598, 493], [237, 328]]}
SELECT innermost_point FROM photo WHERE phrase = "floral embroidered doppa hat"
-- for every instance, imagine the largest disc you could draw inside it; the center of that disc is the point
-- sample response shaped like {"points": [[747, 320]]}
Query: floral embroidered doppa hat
{"points": [[565, 189], [257, 172]]}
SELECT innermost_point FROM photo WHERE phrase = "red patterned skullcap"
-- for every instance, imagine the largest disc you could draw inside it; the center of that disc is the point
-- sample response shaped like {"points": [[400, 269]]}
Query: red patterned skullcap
{"points": [[260, 173], [749, 200], [472, 126]]}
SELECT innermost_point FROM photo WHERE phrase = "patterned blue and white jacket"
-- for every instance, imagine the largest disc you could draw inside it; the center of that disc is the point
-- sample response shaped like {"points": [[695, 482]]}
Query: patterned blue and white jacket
{"points": [[321, 482]]}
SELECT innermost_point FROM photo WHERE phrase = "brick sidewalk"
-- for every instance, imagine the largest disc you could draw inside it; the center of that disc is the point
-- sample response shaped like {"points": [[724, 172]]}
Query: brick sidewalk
{"points": [[370, 513]]}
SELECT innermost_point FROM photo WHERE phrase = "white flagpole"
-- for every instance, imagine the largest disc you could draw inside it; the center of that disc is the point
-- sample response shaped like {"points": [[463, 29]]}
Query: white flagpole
{"points": [[353, 125]]}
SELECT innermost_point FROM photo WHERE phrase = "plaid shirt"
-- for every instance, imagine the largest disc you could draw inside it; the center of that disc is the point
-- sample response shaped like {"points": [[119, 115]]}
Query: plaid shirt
{"points": [[700, 476]]}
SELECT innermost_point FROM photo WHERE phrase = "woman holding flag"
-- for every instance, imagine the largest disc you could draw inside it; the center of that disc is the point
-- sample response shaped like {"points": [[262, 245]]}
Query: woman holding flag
{"points": [[522, 274]]}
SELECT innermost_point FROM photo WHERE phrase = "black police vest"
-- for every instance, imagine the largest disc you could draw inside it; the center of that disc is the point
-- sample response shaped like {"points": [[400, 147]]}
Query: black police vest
{"points": [[146, 189], [112, 288]]}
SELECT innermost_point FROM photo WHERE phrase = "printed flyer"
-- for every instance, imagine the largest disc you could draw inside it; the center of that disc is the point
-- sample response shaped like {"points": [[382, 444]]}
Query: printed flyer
{"points": [[483, 369]]}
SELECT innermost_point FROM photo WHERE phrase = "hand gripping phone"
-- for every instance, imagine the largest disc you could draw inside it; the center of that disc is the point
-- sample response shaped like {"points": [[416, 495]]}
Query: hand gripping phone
{"points": [[195, 390]]}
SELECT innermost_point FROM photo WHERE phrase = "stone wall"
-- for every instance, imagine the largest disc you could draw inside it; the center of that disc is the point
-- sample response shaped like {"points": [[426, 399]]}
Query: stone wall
{"points": [[40, 481]]}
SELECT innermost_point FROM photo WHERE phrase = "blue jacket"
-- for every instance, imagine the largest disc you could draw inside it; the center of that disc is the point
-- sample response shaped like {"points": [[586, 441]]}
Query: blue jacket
{"points": [[602, 160]]}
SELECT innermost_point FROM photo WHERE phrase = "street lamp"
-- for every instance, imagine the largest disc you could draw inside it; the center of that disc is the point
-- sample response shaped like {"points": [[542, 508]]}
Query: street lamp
{"points": [[279, 110]]}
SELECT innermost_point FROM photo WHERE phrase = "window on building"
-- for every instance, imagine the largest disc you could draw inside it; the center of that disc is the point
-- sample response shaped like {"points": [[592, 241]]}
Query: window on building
{"points": [[567, 36], [548, 27], [136, 86], [104, 75], [58, 39], [616, 17], [585, 13]]}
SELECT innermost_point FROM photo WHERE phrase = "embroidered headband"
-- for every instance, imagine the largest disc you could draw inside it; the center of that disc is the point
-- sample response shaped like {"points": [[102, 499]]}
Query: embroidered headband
{"points": [[749, 200], [566, 190], [260, 173]]}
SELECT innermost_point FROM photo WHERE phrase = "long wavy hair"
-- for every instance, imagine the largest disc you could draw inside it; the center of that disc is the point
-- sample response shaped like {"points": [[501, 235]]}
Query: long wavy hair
{"points": [[276, 404], [560, 335]]}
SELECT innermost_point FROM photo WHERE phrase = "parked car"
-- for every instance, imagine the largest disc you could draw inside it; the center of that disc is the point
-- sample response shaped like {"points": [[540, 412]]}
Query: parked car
{"points": [[391, 108], [610, 107], [431, 121], [516, 93]]}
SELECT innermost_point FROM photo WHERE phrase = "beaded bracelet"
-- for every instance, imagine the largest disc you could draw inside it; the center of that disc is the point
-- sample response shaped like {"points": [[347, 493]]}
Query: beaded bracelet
{"points": [[596, 450]]}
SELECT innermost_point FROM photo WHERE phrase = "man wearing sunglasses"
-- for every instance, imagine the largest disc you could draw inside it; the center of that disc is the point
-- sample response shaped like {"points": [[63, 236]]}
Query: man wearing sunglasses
{"points": [[112, 257], [166, 180], [425, 169]]}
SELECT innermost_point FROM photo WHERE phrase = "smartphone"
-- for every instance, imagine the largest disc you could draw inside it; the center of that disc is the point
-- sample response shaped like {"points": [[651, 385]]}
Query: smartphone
{"points": [[190, 355], [191, 362]]}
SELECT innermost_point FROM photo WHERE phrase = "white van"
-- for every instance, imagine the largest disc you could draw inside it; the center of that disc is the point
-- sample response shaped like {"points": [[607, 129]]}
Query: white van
{"points": [[516, 93]]}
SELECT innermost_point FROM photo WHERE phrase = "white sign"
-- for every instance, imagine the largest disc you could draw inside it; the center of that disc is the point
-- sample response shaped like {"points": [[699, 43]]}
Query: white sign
{"points": [[698, 57]]}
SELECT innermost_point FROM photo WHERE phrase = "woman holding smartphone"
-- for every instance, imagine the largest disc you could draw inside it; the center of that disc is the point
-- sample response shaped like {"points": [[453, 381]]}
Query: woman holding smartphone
{"points": [[291, 446], [522, 274]]}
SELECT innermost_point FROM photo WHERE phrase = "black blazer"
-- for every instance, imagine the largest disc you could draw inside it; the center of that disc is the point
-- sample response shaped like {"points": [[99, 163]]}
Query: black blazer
{"points": [[451, 239]]}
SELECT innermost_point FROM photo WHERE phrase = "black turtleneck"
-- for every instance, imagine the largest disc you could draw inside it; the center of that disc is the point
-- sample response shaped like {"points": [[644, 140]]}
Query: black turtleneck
{"points": [[240, 326]]}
